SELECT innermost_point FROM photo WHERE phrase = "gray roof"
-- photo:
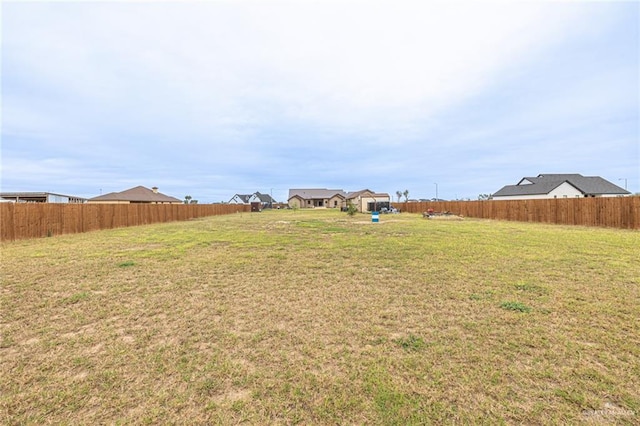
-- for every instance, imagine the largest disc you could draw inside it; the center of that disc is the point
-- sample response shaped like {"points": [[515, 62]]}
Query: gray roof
{"points": [[264, 198], [545, 183], [316, 193], [243, 197]]}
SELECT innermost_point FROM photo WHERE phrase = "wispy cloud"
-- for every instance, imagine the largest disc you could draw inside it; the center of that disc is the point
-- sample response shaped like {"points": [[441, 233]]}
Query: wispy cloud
{"points": [[210, 96]]}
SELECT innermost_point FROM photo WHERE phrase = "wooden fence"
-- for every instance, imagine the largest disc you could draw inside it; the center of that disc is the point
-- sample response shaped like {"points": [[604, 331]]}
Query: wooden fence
{"points": [[34, 220], [616, 212]]}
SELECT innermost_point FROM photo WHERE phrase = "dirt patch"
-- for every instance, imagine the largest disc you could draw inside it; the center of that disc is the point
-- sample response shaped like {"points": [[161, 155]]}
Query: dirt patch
{"points": [[445, 217]]}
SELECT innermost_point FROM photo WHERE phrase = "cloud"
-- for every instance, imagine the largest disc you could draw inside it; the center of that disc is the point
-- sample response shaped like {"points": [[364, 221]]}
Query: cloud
{"points": [[253, 93], [340, 64]]}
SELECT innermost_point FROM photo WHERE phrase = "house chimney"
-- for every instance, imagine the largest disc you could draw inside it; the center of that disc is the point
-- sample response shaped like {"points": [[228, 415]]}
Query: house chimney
{"points": [[155, 189]]}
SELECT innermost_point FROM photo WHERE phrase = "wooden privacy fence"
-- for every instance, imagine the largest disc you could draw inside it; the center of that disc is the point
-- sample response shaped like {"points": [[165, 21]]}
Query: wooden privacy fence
{"points": [[615, 212], [34, 220]]}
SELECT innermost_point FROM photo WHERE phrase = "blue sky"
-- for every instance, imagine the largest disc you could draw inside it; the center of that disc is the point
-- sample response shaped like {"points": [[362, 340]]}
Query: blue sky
{"points": [[216, 98]]}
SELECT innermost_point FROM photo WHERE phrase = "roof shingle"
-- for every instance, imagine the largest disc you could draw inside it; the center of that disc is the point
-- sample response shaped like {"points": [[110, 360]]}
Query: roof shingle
{"points": [[138, 194], [545, 183]]}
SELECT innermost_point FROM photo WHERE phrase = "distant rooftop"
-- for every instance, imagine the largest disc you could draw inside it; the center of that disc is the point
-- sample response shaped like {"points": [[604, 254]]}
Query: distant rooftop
{"points": [[41, 197], [545, 183], [138, 194], [316, 193]]}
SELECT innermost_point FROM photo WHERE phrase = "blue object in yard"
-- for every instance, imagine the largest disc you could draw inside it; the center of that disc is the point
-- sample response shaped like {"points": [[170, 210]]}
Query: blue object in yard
{"points": [[375, 217]]}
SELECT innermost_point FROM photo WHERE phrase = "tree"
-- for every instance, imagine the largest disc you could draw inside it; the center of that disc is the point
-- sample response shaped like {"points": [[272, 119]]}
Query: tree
{"points": [[406, 195], [351, 209], [484, 197], [399, 195], [187, 199]]}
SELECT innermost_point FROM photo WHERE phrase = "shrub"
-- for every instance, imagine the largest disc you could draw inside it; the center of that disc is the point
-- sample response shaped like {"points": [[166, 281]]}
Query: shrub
{"points": [[351, 209]]}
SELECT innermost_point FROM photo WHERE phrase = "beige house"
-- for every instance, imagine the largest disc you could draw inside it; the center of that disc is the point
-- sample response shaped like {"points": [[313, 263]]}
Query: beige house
{"points": [[316, 197], [364, 200], [139, 194], [367, 200]]}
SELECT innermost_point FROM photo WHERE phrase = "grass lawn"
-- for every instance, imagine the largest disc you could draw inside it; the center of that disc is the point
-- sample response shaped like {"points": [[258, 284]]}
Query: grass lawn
{"points": [[315, 317]]}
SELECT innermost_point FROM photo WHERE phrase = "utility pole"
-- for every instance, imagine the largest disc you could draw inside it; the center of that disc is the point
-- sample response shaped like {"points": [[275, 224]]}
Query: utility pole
{"points": [[625, 183]]}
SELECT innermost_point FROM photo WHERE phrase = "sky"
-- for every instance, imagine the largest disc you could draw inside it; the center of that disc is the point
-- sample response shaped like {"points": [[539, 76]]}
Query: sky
{"points": [[211, 99]]}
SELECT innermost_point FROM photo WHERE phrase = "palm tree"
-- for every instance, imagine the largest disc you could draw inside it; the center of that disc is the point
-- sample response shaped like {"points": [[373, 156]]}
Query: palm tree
{"points": [[399, 194], [406, 195]]}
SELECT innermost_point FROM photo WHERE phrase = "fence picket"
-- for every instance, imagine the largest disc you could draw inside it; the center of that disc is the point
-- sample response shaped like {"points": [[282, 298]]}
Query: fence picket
{"points": [[21, 221], [35, 220], [613, 212]]}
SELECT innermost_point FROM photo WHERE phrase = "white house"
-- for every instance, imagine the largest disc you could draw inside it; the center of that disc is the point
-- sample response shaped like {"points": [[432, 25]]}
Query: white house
{"points": [[264, 199], [241, 199], [560, 186]]}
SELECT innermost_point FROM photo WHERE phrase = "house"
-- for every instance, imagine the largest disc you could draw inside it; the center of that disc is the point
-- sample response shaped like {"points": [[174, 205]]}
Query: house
{"points": [[364, 200], [139, 194], [264, 199], [368, 201], [317, 197], [40, 197], [560, 186], [241, 199]]}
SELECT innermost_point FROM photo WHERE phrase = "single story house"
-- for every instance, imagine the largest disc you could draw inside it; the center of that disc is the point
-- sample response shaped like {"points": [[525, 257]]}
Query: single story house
{"points": [[41, 197], [139, 194], [316, 197], [368, 201], [364, 200], [560, 186]]}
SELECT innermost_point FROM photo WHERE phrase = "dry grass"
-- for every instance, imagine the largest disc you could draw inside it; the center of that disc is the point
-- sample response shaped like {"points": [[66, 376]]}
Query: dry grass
{"points": [[313, 317]]}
